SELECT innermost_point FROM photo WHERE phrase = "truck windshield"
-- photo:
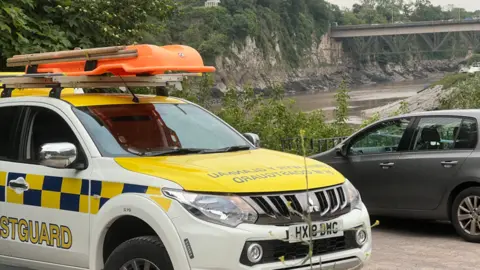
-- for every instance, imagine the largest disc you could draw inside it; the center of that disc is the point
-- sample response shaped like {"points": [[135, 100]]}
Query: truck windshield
{"points": [[157, 129]]}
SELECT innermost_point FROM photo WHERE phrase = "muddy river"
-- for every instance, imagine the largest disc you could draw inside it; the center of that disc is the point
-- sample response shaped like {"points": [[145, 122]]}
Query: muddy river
{"points": [[362, 98]]}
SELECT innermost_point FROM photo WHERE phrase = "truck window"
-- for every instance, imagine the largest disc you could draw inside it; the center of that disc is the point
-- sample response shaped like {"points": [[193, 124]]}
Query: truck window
{"points": [[136, 129], [46, 126], [9, 134]]}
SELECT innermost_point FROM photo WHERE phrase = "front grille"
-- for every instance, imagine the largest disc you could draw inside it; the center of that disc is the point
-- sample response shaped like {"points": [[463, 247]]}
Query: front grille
{"points": [[274, 249], [323, 204]]}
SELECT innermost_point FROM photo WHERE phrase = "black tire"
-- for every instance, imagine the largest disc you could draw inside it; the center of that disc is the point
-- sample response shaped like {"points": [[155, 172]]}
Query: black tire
{"points": [[472, 191], [149, 248]]}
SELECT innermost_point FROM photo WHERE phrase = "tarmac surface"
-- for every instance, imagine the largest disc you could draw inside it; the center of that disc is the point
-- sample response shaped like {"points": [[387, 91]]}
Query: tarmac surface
{"points": [[420, 245], [412, 244]]}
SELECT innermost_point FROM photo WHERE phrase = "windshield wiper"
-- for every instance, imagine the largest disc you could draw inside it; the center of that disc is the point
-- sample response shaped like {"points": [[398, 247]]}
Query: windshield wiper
{"points": [[178, 151], [228, 149], [186, 151]]}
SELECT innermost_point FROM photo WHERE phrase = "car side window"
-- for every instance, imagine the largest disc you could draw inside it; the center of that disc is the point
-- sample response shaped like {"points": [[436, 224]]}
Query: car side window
{"points": [[46, 126], [9, 132], [383, 138], [467, 135], [444, 133]]}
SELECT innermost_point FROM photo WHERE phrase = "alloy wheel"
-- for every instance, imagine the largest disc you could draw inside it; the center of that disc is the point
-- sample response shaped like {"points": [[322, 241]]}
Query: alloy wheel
{"points": [[468, 214], [139, 264]]}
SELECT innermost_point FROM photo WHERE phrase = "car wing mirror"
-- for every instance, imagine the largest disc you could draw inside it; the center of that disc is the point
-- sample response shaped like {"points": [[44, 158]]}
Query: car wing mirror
{"points": [[57, 155], [253, 138], [341, 150]]}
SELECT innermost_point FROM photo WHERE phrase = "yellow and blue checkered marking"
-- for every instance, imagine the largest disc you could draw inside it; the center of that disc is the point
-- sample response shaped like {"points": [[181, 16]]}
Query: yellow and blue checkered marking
{"points": [[3, 175], [51, 192], [104, 191], [68, 194]]}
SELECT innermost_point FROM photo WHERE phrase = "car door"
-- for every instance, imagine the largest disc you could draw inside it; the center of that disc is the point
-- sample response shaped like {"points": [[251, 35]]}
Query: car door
{"points": [[48, 207], [371, 160], [9, 140], [439, 148]]}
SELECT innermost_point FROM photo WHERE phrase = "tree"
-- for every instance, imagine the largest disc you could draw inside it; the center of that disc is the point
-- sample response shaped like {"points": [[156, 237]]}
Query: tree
{"points": [[28, 26], [349, 18], [425, 11]]}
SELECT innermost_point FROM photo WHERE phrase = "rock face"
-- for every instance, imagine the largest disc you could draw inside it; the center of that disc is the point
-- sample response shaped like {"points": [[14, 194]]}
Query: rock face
{"points": [[323, 68]]}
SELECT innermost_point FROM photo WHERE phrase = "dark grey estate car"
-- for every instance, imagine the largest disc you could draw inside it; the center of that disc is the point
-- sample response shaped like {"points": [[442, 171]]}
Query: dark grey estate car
{"points": [[421, 165]]}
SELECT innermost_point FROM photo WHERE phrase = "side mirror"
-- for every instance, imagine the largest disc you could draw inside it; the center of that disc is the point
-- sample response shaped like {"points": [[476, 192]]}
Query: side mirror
{"points": [[341, 150], [57, 155], [253, 138]]}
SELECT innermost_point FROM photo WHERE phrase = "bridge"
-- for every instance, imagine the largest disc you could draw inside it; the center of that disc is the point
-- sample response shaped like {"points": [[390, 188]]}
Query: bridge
{"points": [[412, 37]]}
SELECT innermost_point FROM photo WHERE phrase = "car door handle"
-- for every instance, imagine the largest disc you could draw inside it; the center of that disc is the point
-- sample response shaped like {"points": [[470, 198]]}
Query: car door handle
{"points": [[386, 165], [449, 164], [19, 185]]}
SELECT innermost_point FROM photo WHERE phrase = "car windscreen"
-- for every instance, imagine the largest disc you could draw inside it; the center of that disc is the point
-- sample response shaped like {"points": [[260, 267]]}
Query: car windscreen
{"points": [[146, 129]]}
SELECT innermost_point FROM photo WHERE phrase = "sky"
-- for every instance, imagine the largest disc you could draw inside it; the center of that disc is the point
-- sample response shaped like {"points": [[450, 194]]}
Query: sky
{"points": [[470, 5]]}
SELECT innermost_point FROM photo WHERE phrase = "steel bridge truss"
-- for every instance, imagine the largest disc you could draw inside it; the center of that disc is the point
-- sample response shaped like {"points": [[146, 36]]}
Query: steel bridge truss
{"points": [[413, 43]]}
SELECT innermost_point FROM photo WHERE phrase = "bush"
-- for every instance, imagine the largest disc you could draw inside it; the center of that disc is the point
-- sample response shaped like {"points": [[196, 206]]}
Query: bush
{"points": [[466, 94]]}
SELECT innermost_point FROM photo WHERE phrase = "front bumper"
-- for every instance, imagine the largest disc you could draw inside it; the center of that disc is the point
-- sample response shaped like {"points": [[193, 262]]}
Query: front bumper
{"points": [[215, 247]]}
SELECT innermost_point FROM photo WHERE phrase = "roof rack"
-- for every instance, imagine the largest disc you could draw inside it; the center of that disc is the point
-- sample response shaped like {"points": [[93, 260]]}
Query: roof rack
{"points": [[127, 66]]}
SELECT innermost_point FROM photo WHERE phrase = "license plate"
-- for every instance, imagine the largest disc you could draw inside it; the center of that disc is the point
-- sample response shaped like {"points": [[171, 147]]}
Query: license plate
{"points": [[327, 229]]}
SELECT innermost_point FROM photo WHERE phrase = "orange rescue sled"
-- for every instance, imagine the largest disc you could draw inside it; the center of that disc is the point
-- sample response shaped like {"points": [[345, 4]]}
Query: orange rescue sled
{"points": [[119, 61]]}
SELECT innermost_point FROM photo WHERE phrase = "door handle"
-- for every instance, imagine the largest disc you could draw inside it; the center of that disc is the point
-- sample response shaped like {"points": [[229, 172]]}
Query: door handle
{"points": [[386, 165], [449, 164], [19, 185]]}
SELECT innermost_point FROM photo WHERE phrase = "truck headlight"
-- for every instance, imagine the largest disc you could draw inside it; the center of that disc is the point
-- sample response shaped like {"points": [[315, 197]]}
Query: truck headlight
{"points": [[224, 210], [353, 196]]}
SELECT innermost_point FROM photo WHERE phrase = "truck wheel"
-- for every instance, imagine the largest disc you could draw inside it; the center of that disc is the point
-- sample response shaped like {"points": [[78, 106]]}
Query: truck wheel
{"points": [[466, 214], [145, 253]]}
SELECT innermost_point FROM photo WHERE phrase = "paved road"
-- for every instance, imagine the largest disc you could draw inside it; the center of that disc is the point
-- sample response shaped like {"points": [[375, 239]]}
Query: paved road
{"points": [[420, 245], [415, 245]]}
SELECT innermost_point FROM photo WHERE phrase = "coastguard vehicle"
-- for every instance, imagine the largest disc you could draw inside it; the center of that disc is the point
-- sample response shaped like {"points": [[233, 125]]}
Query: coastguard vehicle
{"points": [[93, 178]]}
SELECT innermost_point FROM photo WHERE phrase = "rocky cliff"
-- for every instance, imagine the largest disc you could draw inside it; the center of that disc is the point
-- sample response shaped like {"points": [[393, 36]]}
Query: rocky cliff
{"points": [[322, 68]]}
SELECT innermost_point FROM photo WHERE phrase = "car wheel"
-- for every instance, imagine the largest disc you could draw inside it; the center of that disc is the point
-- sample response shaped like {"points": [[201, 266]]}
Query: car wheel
{"points": [[145, 252], [466, 214]]}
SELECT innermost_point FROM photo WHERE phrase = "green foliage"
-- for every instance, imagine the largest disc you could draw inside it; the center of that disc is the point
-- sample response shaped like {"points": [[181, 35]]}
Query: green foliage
{"points": [[273, 118], [451, 80], [466, 94], [390, 11], [403, 109], [342, 97], [400, 11], [370, 120], [350, 18], [475, 58], [292, 24], [28, 26]]}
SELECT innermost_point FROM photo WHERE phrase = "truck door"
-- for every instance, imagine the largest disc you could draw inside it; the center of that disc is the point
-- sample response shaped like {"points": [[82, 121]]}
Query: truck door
{"points": [[9, 141], [48, 207]]}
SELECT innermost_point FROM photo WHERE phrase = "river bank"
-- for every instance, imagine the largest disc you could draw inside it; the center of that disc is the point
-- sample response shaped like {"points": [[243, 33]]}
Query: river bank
{"points": [[365, 99]]}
